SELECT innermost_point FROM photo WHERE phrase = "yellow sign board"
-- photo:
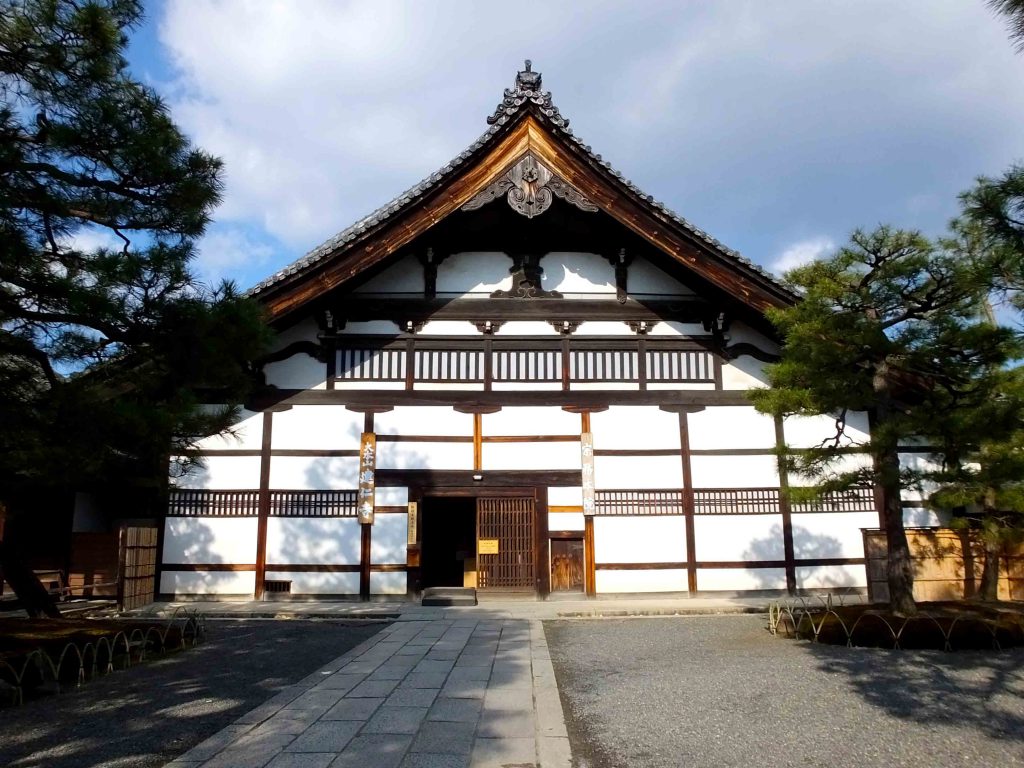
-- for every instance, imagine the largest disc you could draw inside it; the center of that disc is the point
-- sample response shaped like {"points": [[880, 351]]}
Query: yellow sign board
{"points": [[487, 547]]}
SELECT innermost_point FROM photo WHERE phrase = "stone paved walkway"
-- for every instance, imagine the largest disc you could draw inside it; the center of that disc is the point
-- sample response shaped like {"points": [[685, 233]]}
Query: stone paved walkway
{"points": [[441, 693]]}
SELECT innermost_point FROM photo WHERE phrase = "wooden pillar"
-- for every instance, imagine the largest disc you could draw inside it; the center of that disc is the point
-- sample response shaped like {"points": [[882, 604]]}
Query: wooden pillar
{"points": [[478, 441], [589, 571], [689, 508], [366, 531], [263, 505], [784, 506], [543, 564]]}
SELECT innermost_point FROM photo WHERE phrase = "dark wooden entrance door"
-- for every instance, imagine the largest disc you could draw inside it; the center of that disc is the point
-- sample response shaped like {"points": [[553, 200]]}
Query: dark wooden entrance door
{"points": [[567, 565], [506, 542]]}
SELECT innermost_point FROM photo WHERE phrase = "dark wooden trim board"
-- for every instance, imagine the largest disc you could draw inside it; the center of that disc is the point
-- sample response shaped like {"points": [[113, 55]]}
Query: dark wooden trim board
{"points": [[434, 479], [689, 505], [366, 531], [565, 534], [216, 567], [722, 564], [263, 504]]}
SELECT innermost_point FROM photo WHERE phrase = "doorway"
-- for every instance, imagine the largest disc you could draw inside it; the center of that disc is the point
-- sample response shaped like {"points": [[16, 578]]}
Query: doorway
{"points": [[567, 565], [448, 538]]}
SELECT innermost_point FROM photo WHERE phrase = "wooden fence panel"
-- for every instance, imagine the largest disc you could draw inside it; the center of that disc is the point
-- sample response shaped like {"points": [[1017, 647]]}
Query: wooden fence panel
{"points": [[138, 567]]}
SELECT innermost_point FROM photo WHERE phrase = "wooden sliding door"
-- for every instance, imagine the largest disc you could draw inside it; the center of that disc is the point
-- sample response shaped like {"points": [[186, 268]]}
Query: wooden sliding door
{"points": [[506, 543]]}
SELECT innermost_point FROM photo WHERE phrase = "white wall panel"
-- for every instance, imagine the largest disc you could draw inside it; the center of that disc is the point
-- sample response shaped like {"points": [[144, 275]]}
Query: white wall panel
{"points": [[919, 462], [393, 583], [424, 455], [809, 431], [369, 328], [449, 328], [578, 273], [610, 582], [222, 473], [531, 456], [735, 471], [313, 473], [637, 426], [304, 330], [830, 576], [304, 583], [740, 333], [559, 496], [388, 538], [200, 540], [922, 517], [565, 521], [406, 276], [738, 537], [208, 583], [297, 372], [731, 426], [645, 278], [317, 427], [674, 328], [745, 372], [313, 540], [472, 272], [423, 420], [740, 579], [531, 421], [603, 328], [850, 462], [391, 496], [650, 539], [526, 328], [831, 534], [246, 434], [638, 472]]}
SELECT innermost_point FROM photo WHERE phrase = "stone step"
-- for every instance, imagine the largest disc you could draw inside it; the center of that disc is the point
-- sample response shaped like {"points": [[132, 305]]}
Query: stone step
{"points": [[448, 596]]}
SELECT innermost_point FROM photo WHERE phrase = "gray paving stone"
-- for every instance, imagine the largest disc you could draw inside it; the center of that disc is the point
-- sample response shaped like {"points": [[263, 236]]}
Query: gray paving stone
{"points": [[396, 720], [340, 681], [252, 753], [511, 678], [410, 650], [501, 753], [302, 760], [372, 689], [214, 744], [554, 752], [470, 673], [411, 697], [503, 724], [455, 710], [390, 671], [291, 721], [374, 750], [436, 655], [509, 698], [464, 689], [361, 667], [476, 659], [317, 700], [455, 738], [353, 709], [431, 666], [430, 760], [423, 680], [325, 736]]}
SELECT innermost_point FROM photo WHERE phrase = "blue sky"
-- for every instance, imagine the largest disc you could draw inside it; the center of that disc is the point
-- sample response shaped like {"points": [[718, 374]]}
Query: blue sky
{"points": [[777, 126]]}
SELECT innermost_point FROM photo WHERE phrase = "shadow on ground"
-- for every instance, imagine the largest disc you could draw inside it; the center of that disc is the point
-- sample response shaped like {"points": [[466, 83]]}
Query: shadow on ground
{"points": [[150, 714]]}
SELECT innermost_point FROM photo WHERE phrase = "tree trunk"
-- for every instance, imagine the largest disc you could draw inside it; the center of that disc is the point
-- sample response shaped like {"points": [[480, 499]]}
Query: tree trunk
{"points": [[32, 595], [990, 569]]}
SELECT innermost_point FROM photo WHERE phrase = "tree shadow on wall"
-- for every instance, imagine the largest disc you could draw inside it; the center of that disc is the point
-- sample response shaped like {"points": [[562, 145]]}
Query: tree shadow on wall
{"points": [[806, 546]]}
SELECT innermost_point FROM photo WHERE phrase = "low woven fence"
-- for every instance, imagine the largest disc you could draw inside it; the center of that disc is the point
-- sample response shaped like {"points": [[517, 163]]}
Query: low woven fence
{"points": [[42, 656], [947, 626]]}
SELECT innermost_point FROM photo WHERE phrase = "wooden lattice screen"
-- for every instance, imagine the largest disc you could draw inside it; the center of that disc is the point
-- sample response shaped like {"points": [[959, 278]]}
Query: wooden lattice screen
{"points": [[138, 567], [510, 523]]}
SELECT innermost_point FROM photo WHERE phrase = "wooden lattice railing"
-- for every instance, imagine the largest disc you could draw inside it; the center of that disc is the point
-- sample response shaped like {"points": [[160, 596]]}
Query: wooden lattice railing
{"points": [[206, 503]]}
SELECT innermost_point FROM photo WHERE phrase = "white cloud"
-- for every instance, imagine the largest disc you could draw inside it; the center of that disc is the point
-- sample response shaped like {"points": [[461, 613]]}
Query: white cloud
{"points": [[89, 239], [224, 252], [802, 253]]}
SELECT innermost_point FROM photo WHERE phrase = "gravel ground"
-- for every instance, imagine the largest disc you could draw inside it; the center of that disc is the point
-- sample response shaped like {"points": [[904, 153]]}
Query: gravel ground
{"points": [[720, 691], [147, 715]]}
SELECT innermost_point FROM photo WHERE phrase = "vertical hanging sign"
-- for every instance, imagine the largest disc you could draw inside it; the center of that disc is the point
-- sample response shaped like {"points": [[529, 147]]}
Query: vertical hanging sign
{"points": [[367, 472], [587, 465]]}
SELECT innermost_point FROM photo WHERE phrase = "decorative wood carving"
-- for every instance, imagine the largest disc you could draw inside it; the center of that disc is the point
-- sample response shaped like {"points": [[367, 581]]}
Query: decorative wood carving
{"points": [[530, 187], [526, 278], [429, 260], [717, 325], [733, 351], [566, 327], [621, 261], [641, 327], [488, 327], [410, 326], [316, 351]]}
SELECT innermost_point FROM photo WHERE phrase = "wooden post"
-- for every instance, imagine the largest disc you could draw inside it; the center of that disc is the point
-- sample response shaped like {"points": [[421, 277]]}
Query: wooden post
{"points": [[263, 508], [689, 508], [589, 573], [366, 530], [543, 560], [785, 507], [478, 438]]}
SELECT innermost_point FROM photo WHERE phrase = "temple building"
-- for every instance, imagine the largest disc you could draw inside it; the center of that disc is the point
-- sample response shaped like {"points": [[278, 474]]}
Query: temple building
{"points": [[523, 375]]}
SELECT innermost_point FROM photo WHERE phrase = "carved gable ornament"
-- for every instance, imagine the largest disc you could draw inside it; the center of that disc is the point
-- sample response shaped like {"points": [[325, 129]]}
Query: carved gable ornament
{"points": [[529, 188]]}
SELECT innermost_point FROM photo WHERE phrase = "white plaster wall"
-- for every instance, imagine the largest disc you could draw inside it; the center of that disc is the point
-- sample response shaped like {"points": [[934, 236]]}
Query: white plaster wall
{"points": [[809, 431], [304, 330], [388, 538], [441, 385], [531, 456], [610, 582], [405, 276], [831, 534], [319, 583], [650, 539], [674, 328], [921, 517], [565, 496], [603, 328], [638, 472], [424, 455], [919, 462], [741, 333], [531, 421], [202, 540], [393, 583], [370, 328], [646, 279], [247, 433], [313, 540], [565, 521], [745, 372], [222, 473], [583, 274], [473, 273], [830, 576], [731, 426], [297, 372], [738, 537], [313, 473], [449, 328], [208, 583], [845, 463], [624, 426], [317, 427], [735, 471], [526, 328], [391, 496], [740, 579], [527, 386], [423, 420]]}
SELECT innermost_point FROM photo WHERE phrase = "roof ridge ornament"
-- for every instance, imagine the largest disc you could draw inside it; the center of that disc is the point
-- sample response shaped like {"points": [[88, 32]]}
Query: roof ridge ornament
{"points": [[527, 90], [531, 187]]}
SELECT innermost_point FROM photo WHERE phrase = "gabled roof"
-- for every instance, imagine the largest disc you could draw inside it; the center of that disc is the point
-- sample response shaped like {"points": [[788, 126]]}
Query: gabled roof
{"points": [[526, 121]]}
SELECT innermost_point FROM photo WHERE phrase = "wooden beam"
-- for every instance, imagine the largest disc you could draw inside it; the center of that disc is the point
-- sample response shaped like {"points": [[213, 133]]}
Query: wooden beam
{"points": [[589, 571], [478, 448], [688, 502], [263, 504]]}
